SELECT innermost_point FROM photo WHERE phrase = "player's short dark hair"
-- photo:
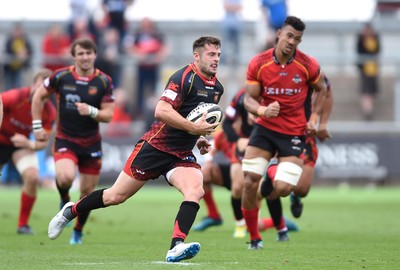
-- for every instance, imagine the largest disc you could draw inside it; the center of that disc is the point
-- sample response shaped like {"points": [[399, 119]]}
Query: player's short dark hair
{"points": [[85, 43], [203, 40], [295, 22]]}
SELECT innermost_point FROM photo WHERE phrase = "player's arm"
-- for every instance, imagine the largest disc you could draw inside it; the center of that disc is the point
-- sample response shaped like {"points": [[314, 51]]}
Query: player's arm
{"points": [[319, 101], [104, 114], [1, 111], [167, 114], [39, 98], [253, 106], [322, 132], [21, 141]]}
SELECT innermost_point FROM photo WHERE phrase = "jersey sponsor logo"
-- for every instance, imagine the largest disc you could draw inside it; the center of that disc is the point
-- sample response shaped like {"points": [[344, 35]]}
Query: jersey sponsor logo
{"points": [[173, 86], [209, 87], [92, 90], [83, 78], [297, 79], [62, 150], [169, 94], [282, 91], [283, 74], [210, 82], [81, 83], [20, 124], [69, 87], [202, 93]]}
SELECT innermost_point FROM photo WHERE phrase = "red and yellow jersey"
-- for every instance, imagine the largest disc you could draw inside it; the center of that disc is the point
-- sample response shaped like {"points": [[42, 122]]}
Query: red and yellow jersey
{"points": [[288, 84], [17, 117]]}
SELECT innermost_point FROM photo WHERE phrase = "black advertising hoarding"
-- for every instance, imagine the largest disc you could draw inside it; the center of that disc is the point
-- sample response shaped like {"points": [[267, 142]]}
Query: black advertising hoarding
{"points": [[347, 156]]}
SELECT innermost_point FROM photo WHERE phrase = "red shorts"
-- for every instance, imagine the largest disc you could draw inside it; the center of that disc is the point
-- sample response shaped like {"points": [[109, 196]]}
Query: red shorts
{"points": [[88, 159]]}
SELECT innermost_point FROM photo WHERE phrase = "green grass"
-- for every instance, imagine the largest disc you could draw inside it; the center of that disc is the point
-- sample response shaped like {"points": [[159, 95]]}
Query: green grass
{"points": [[341, 228]]}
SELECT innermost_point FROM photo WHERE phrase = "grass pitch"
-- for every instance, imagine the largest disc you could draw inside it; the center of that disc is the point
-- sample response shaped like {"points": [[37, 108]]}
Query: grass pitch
{"points": [[341, 228]]}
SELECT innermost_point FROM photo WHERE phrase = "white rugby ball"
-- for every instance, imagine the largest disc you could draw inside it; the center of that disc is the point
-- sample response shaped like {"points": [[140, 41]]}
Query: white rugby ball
{"points": [[214, 113]]}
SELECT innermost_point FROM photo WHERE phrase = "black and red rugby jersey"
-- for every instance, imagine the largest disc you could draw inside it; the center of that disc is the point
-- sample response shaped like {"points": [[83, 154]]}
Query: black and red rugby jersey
{"points": [[70, 88], [185, 89]]}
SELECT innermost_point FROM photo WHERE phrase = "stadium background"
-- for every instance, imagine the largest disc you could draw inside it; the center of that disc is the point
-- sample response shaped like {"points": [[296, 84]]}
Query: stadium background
{"points": [[359, 153]]}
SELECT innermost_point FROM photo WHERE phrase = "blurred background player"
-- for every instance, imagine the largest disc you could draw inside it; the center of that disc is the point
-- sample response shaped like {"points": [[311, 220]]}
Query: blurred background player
{"points": [[84, 98], [15, 145]]}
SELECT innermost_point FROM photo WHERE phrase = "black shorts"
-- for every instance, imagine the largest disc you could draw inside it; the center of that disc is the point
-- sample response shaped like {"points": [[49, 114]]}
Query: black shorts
{"points": [[226, 174], [273, 142], [6, 152], [146, 162]]}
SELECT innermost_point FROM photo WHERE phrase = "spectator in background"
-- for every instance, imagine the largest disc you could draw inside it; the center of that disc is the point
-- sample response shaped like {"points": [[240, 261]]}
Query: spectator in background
{"points": [[80, 29], [18, 54], [114, 15], [148, 47], [81, 11], [15, 145], [231, 31], [368, 48], [110, 55], [55, 48], [274, 13]]}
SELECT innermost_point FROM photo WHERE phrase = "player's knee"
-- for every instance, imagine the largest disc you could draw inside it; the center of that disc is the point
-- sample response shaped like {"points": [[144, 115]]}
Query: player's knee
{"points": [[282, 189], [65, 179], [254, 167], [286, 178]]}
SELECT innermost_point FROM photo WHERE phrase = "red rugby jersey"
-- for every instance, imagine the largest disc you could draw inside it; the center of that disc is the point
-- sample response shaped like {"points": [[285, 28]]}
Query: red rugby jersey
{"points": [[288, 84], [17, 117]]}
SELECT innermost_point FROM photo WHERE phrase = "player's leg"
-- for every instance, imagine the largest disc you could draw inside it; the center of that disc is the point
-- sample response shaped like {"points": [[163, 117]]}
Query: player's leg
{"points": [[189, 181], [213, 174], [254, 165], [27, 165], [87, 185], [309, 157], [65, 167], [301, 191], [274, 205], [124, 187], [237, 178]]}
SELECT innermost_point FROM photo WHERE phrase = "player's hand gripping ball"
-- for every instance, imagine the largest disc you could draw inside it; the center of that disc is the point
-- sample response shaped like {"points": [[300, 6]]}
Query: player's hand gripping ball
{"points": [[214, 113]]}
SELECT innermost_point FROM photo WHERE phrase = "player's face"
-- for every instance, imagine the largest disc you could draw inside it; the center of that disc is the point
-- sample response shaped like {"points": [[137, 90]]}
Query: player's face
{"points": [[289, 39], [84, 58], [208, 60]]}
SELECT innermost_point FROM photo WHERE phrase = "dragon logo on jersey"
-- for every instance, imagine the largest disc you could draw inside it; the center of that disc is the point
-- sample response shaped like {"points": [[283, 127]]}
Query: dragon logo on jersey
{"points": [[92, 90]]}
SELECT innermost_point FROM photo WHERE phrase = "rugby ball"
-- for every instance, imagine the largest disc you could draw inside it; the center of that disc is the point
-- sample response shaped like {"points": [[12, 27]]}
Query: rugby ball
{"points": [[214, 113]]}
